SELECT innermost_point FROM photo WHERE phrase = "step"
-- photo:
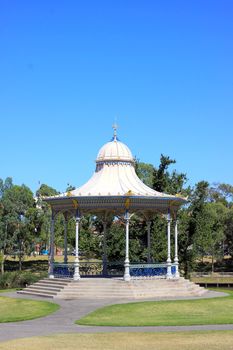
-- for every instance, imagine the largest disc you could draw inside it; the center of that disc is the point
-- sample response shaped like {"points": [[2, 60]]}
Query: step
{"points": [[39, 294], [113, 288], [52, 281], [40, 291], [44, 288], [49, 285]]}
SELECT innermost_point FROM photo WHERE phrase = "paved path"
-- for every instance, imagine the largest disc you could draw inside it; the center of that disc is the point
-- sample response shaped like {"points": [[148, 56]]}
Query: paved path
{"points": [[63, 320]]}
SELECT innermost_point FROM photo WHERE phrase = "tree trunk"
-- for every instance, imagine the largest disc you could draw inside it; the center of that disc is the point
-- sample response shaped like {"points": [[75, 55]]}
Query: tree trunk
{"points": [[20, 262], [20, 256], [212, 263], [2, 265], [2, 258]]}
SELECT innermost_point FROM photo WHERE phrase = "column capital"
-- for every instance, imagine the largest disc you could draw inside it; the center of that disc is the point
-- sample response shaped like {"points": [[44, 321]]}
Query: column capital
{"points": [[127, 216], [77, 219]]}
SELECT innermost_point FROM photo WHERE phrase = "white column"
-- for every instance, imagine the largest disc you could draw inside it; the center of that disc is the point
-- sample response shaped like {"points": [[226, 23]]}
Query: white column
{"points": [[51, 248], [126, 274], [148, 242], [65, 238], [104, 249], [176, 260], [169, 267], [76, 261]]}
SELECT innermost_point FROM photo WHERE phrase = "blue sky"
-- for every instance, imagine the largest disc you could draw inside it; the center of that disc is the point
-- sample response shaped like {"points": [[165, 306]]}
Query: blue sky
{"points": [[164, 68]]}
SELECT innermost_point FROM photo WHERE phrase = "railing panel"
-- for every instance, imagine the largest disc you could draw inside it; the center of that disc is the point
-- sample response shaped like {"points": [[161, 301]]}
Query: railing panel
{"points": [[114, 269], [150, 270]]}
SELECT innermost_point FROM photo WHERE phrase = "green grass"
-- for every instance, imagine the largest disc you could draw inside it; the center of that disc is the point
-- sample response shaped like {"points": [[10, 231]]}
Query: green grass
{"points": [[14, 310], [164, 313], [212, 340], [211, 279], [8, 290]]}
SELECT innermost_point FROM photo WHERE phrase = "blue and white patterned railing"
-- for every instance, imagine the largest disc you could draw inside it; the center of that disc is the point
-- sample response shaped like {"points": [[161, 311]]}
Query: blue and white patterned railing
{"points": [[150, 270], [89, 269], [95, 269], [86, 268]]}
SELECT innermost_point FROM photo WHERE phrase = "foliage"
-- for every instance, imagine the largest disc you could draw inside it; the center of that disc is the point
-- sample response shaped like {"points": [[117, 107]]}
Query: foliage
{"points": [[163, 181], [18, 279], [205, 223], [144, 172]]}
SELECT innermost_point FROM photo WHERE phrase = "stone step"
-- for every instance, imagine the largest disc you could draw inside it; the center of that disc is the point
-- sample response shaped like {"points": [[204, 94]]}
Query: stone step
{"points": [[36, 293], [92, 288], [50, 292], [45, 288], [49, 285], [57, 279], [54, 281]]}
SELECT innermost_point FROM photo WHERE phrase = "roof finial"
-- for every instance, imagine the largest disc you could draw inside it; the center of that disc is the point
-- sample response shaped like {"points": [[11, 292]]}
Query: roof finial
{"points": [[115, 127]]}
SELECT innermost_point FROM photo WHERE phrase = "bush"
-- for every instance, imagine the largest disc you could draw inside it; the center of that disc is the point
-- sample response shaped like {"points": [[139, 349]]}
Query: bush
{"points": [[18, 279]]}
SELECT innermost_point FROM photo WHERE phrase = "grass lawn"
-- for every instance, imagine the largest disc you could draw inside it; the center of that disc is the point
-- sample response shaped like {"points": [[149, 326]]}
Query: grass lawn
{"points": [[13, 310], [214, 340], [9, 290], [164, 313], [212, 279]]}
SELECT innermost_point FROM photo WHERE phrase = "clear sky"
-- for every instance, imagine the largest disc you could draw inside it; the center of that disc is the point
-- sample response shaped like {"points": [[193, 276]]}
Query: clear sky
{"points": [[164, 68]]}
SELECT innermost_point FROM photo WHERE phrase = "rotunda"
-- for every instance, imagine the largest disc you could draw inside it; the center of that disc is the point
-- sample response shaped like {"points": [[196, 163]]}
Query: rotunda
{"points": [[115, 189]]}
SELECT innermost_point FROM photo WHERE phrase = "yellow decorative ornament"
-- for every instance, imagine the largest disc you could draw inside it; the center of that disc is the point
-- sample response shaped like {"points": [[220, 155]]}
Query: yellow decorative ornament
{"points": [[75, 203], [129, 193], [127, 203]]}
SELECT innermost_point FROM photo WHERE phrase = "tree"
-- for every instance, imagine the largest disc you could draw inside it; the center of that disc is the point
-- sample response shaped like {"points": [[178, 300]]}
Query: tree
{"points": [[15, 203], [229, 231], [210, 230], [171, 183], [46, 191], [145, 172]]}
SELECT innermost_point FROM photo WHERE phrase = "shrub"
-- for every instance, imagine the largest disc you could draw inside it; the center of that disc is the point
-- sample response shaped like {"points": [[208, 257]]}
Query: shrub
{"points": [[18, 279]]}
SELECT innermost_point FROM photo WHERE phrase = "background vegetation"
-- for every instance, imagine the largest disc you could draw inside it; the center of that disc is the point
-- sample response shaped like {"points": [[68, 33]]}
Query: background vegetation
{"points": [[205, 225]]}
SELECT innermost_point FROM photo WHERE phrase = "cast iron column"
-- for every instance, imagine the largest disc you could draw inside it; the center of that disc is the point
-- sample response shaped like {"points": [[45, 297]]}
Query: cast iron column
{"points": [[76, 261], [169, 265], [51, 248], [176, 260], [65, 238], [126, 274]]}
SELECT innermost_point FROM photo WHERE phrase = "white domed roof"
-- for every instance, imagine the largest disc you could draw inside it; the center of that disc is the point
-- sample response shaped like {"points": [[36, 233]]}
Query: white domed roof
{"points": [[114, 150]]}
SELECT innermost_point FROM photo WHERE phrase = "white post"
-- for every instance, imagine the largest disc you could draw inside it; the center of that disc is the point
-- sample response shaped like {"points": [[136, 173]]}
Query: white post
{"points": [[51, 248], [104, 249], [65, 239], [148, 242], [176, 260], [126, 274], [76, 261], [169, 265]]}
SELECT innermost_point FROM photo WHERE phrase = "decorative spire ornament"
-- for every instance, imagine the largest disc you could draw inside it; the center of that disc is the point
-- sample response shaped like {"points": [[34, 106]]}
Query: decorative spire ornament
{"points": [[115, 127]]}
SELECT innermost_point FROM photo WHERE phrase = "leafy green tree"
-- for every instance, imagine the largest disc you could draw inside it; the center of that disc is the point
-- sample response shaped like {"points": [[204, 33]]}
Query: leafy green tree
{"points": [[145, 172], [210, 230], [16, 202], [171, 183], [159, 239], [229, 232], [46, 191]]}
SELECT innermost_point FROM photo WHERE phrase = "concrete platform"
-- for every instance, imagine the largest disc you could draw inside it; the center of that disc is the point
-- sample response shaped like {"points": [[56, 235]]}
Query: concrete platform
{"points": [[113, 288]]}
